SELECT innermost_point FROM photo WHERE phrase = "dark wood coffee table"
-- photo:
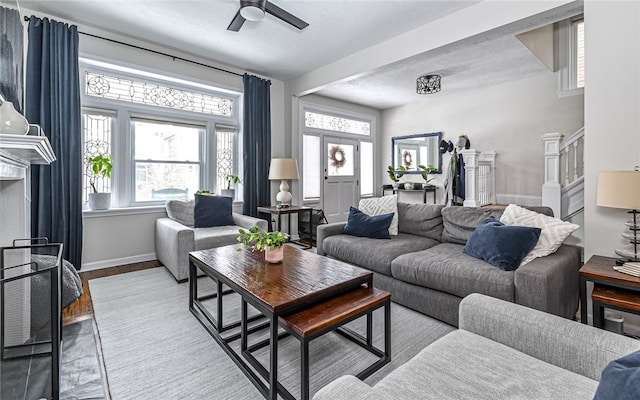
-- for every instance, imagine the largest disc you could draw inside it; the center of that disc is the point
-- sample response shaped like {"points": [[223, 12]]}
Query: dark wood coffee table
{"points": [[286, 295]]}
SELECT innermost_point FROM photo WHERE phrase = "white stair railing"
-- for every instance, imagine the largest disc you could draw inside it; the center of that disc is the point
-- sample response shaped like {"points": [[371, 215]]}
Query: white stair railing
{"points": [[480, 177], [563, 168]]}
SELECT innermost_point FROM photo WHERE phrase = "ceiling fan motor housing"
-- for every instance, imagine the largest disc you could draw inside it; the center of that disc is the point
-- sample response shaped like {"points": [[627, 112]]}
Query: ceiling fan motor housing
{"points": [[252, 10]]}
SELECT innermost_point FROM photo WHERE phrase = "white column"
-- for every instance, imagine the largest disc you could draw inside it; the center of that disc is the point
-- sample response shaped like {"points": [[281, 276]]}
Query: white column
{"points": [[471, 157], [551, 188], [490, 157]]}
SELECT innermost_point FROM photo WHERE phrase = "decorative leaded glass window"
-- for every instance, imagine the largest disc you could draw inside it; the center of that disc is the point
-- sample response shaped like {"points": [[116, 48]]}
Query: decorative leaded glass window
{"points": [[134, 91], [225, 137], [97, 127], [336, 124]]}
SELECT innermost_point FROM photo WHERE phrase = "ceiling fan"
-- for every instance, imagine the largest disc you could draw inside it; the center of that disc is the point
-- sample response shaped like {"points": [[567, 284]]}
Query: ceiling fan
{"points": [[254, 10]]}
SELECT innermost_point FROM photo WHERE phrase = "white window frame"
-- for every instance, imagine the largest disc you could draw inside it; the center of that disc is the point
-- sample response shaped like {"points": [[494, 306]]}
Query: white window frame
{"points": [[567, 45], [123, 176], [341, 113]]}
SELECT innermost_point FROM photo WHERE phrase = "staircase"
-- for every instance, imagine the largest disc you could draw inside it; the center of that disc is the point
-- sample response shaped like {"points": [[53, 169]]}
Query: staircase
{"points": [[563, 188]]}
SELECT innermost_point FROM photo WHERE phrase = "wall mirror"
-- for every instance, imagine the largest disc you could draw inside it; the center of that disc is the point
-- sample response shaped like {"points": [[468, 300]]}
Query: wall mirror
{"points": [[413, 150]]}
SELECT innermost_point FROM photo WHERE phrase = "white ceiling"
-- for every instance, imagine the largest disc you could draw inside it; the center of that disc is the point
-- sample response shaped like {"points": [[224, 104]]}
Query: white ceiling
{"points": [[336, 29]]}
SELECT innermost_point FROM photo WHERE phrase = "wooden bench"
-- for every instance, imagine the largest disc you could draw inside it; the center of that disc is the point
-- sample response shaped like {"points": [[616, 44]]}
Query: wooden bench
{"points": [[331, 315]]}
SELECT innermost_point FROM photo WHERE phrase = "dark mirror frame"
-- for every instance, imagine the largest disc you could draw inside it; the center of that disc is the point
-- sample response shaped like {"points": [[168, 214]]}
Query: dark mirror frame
{"points": [[438, 136]]}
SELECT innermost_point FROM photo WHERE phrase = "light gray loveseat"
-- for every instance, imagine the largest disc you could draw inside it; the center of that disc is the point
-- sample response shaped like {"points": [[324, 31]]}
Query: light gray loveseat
{"points": [[501, 351], [176, 236], [424, 266]]}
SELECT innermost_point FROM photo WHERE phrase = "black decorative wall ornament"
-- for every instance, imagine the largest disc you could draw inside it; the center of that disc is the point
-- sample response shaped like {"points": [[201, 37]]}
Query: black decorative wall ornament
{"points": [[337, 156]]}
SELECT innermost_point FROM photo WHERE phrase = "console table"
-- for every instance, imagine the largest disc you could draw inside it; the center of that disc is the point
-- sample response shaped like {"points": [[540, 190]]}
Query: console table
{"points": [[424, 190], [611, 289]]}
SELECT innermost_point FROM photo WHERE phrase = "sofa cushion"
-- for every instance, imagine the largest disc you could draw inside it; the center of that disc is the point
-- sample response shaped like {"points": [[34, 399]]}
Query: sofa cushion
{"points": [[504, 246], [554, 230], [382, 205], [460, 222], [447, 268], [421, 219], [463, 365], [207, 238], [213, 211], [374, 254], [620, 379], [371, 226], [181, 211]]}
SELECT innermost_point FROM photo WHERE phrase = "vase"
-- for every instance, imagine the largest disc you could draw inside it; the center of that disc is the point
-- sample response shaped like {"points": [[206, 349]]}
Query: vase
{"points": [[99, 201], [11, 121], [408, 186], [274, 256]]}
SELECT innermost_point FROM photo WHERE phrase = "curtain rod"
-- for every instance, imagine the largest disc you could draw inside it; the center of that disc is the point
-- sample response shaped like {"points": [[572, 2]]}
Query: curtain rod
{"points": [[155, 52]]}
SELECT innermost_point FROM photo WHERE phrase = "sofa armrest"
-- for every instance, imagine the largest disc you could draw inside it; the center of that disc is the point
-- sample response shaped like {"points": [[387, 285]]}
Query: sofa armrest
{"points": [[550, 283], [246, 221], [326, 230], [567, 344], [349, 387], [174, 241]]}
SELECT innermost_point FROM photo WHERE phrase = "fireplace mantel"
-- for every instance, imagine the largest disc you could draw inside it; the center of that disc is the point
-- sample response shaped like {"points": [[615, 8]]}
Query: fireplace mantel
{"points": [[17, 153], [22, 150]]}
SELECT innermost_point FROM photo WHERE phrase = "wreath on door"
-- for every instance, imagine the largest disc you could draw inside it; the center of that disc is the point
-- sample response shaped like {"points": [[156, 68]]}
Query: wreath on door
{"points": [[337, 156]]}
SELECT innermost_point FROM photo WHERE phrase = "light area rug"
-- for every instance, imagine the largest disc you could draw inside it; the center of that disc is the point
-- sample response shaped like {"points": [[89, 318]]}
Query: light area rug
{"points": [[154, 348]]}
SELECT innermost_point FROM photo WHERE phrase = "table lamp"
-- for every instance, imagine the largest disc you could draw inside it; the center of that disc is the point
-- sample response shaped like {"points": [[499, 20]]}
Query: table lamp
{"points": [[283, 169], [621, 189]]}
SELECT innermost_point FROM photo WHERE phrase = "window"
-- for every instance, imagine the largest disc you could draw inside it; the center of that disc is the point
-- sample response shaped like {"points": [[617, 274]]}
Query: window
{"points": [[168, 137], [311, 171], [571, 51], [578, 32], [166, 160], [336, 124], [97, 127], [367, 168]]}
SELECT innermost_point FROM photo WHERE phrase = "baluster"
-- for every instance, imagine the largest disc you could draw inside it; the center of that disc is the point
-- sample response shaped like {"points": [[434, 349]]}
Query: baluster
{"points": [[575, 160], [566, 166]]}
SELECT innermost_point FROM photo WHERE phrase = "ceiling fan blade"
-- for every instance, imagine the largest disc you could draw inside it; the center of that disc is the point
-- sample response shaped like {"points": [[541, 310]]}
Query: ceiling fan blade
{"points": [[236, 22], [285, 16]]}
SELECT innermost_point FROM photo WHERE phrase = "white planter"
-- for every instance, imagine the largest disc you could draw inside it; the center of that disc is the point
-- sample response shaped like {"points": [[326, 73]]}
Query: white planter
{"points": [[228, 192], [99, 201]]}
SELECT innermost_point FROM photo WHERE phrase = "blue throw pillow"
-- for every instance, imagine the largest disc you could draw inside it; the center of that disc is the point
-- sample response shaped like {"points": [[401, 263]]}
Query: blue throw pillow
{"points": [[213, 211], [620, 379], [361, 224], [502, 245]]}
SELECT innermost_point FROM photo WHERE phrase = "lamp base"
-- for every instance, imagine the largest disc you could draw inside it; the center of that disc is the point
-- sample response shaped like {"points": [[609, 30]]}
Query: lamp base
{"points": [[284, 196]]}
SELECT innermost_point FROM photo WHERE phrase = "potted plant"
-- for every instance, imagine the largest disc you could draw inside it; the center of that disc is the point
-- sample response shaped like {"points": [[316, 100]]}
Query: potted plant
{"points": [[101, 165], [425, 173], [395, 174], [271, 242], [231, 179]]}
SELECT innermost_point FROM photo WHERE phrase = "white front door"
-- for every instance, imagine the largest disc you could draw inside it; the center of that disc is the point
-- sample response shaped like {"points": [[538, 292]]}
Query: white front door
{"points": [[340, 177]]}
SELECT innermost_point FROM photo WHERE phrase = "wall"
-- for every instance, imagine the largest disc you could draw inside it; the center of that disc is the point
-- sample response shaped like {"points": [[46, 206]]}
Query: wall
{"points": [[509, 118], [612, 120]]}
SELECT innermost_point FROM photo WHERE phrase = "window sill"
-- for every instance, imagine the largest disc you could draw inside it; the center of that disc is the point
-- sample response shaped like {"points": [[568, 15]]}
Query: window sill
{"points": [[570, 92], [116, 212]]}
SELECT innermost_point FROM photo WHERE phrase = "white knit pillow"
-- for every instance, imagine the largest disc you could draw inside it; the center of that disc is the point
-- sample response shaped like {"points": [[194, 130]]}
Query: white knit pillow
{"points": [[554, 230], [382, 205]]}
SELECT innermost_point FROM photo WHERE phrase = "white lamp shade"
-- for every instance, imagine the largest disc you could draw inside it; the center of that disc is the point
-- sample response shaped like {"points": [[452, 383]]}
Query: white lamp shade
{"points": [[619, 189], [283, 168]]}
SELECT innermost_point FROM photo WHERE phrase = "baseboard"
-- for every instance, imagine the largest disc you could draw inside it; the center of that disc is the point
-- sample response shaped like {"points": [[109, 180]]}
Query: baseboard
{"points": [[519, 199], [118, 261]]}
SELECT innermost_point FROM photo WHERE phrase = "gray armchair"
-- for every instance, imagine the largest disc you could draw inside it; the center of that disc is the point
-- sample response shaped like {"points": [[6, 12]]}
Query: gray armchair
{"points": [[176, 236]]}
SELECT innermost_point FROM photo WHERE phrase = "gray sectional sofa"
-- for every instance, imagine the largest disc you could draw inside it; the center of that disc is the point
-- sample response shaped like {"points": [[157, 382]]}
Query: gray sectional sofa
{"points": [[424, 266], [176, 236], [501, 351]]}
